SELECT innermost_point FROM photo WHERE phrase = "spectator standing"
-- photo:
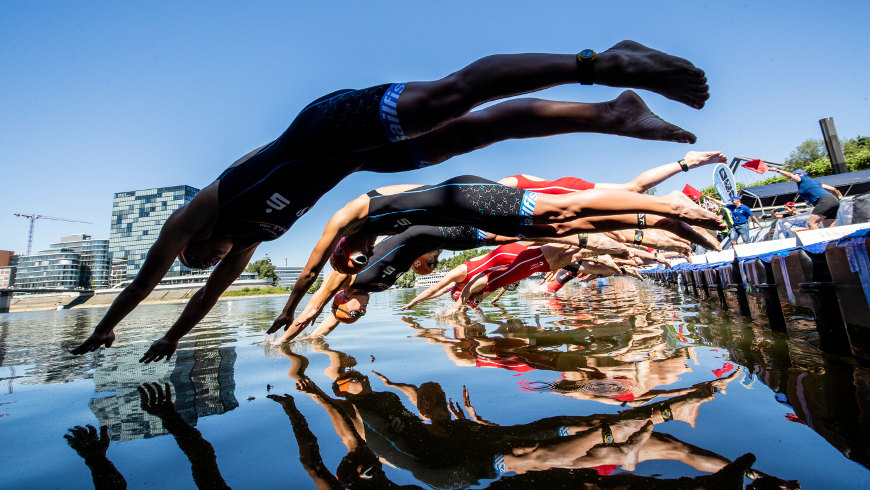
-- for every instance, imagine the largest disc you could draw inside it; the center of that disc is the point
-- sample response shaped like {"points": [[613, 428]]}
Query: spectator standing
{"points": [[740, 214], [825, 204]]}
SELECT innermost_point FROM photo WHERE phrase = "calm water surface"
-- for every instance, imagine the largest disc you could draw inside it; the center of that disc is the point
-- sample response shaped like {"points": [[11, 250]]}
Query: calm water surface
{"points": [[533, 388]]}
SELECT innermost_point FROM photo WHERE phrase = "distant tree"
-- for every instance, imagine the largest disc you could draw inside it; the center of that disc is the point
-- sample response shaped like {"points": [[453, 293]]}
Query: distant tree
{"points": [[406, 280], [807, 153], [264, 269], [857, 153], [461, 257]]}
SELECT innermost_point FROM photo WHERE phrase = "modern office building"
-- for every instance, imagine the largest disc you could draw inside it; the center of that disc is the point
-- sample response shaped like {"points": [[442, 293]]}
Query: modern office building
{"points": [[51, 269], [94, 259], [119, 271], [137, 217], [287, 275]]}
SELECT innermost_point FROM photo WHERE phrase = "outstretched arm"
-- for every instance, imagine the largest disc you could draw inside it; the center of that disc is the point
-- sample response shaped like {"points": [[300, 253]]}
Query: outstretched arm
{"points": [[174, 235], [785, 174], [655, 176], [227, 271], [455, 275], [335, 282], [833, 190], [345, 222]]}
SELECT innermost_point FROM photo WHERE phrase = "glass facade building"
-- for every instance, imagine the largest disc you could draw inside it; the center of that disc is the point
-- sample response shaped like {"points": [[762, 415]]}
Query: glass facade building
{"points": [[94, 257], [52, 269], [137, 217]]}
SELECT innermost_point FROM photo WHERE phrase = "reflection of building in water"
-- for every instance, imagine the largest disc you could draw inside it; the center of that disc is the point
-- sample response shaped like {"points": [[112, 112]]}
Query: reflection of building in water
{"points": [[202, 380]]}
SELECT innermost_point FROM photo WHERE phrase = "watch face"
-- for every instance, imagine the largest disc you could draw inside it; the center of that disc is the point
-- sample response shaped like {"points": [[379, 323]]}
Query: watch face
{"points": [[587, 53]]}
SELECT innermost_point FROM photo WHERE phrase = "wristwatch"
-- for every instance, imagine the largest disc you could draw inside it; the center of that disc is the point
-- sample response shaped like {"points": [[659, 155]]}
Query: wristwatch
{"points": [[585, 64]]}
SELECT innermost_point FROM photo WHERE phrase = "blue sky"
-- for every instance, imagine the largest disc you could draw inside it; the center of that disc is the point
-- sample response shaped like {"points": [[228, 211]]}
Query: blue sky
{"points": [[104, 97]]}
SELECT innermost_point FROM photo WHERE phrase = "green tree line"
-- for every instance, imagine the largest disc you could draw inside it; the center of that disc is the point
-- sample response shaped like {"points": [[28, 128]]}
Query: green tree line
{"points": [[266, 270], [407, 279]]}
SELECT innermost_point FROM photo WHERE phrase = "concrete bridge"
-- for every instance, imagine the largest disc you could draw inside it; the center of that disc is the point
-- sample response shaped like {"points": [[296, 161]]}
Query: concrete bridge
{"points": [[6, 294]]}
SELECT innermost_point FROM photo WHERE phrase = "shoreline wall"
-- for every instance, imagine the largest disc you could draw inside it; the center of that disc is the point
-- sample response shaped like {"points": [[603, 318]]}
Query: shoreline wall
{"points": [[103, 298]]}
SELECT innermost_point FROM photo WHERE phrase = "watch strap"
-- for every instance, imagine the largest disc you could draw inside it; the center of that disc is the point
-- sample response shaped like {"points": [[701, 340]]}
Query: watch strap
{"points": [[586, 66]]}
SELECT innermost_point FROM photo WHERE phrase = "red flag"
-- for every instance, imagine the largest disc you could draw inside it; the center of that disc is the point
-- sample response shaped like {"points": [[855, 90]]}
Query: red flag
{"points": [[755, 165], [690, 191]]}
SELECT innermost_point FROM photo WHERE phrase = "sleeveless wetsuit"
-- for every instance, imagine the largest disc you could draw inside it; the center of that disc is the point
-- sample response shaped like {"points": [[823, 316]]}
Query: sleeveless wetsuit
{"points": [[395, 254], [558, 186], [464, 200], [261, 196], [526, 263]]}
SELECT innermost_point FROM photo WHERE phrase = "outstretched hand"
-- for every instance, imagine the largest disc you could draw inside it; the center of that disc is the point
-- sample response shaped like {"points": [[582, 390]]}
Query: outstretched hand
{"points": [[283, 320], [698, 158], [292, 327], [155, 400], [163, 347], [86, 442], [94, 342]]}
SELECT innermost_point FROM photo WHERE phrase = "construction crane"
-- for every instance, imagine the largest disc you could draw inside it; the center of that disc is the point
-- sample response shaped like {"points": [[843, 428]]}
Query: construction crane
{"points": [[34, 217]]}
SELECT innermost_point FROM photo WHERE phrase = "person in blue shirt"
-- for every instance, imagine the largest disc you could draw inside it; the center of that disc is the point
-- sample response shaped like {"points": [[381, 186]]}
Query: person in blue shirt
{"points": [[825, 205], [741, 214]]}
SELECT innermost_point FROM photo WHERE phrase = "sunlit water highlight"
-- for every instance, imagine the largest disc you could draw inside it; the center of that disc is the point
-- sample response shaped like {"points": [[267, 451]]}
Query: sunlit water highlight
{"points": [[548, 379]]}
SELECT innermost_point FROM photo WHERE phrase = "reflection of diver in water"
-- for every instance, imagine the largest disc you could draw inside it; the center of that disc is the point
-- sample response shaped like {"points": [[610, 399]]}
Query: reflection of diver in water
{"points": [[607, 372], [93, 450], [158, 402], [452, 453], [359, 469]]}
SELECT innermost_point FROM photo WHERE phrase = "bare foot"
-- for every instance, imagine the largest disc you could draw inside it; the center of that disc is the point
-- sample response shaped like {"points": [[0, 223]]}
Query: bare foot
{"points": [[663, 240], [695, 159], [687, 210], [608, 262], [634, 444], [631, 271], [627, 453], [606, 245], [630, 64], [683, 230], [628, 115]]}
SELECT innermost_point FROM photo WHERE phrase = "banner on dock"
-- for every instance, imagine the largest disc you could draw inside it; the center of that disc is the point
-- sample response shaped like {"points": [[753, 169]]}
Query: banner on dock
{"points": [[723, 181]]}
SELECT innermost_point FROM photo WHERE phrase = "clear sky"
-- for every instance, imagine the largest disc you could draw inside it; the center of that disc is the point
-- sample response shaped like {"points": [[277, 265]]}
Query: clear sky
{"points": [[103, 97]]}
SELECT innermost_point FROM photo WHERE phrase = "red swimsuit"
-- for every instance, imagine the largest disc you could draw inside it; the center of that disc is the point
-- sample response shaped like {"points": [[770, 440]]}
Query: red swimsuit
{"points": [[502, 255], [558, 186]]}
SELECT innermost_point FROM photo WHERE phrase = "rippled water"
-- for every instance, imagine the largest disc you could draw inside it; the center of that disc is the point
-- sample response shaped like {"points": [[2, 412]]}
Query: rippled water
{"points": [[606, 381]]}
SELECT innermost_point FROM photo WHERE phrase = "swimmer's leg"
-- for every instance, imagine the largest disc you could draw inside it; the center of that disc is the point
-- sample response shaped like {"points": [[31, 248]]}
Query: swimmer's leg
{"points": [[616, 222], [627, 115], [427, 105], [596, 202]]}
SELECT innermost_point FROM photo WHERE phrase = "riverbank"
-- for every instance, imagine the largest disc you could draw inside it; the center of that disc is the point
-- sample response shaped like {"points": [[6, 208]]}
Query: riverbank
{"points": [[102, 299]]}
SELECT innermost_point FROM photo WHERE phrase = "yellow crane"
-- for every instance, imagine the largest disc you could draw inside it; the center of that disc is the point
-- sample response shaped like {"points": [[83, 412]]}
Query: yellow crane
{"points": [[34, 217]]}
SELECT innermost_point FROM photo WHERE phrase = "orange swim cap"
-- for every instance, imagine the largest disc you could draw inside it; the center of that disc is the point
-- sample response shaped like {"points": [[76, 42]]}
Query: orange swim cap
{"points": [[341, 313], [422, 267]]}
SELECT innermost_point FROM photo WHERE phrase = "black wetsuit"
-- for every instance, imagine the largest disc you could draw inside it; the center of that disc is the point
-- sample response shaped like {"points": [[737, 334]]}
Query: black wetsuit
{"points": [[261, 196], [464, 200], [395, 254]]}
